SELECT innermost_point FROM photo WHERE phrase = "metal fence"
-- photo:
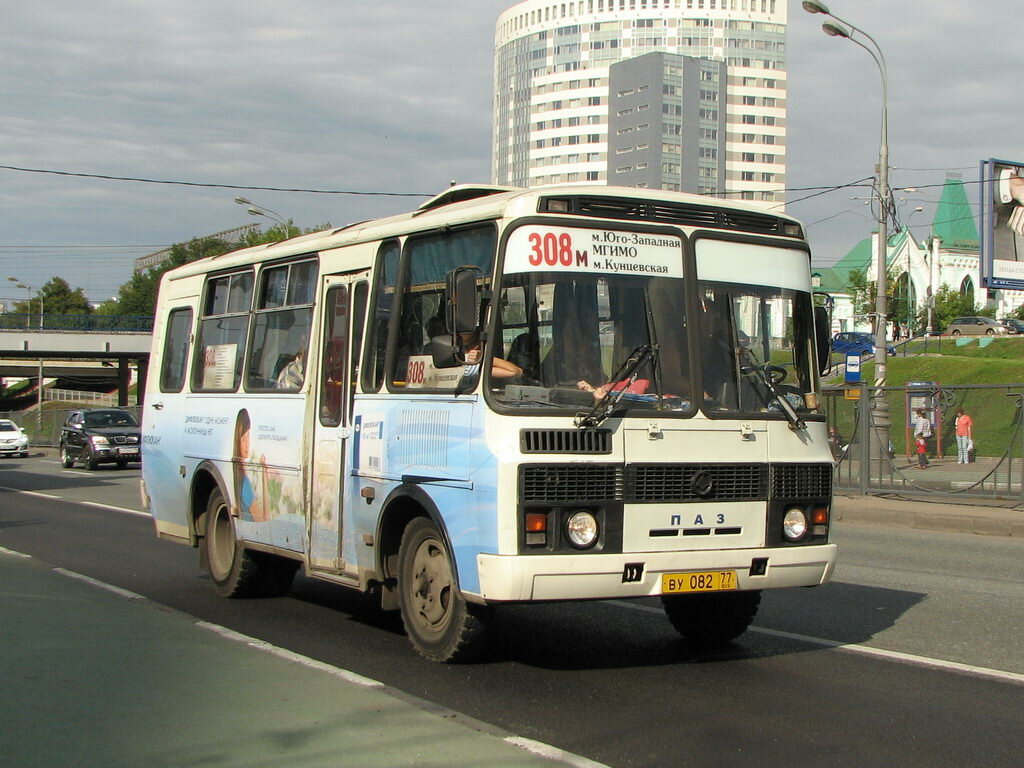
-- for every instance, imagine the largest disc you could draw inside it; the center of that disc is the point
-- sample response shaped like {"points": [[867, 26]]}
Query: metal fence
{"points": [[43, 427], [875, 457], [79, 396], [17, 321]]}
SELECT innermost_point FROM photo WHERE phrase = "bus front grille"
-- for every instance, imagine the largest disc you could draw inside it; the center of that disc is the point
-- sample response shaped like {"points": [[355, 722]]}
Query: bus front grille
{"points": [[583, 441], [653, 483], [801, 481], [563, 484], [672, 483]]}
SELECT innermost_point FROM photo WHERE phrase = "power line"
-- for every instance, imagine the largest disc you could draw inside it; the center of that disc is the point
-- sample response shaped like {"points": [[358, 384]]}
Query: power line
{"points": [[215, 186]]}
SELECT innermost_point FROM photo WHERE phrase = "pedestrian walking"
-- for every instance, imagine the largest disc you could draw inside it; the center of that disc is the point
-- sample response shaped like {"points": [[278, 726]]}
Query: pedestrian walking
{"points": [[964, 427]]}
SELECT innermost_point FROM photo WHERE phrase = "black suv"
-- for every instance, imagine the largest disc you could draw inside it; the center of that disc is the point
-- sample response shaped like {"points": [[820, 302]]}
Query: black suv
{"points": [[100, 436]]}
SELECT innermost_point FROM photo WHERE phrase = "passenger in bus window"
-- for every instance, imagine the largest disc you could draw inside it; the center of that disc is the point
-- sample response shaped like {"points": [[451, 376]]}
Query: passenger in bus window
{"points": [[250, 507], [637, 387], [292, 374], [473, 348]]}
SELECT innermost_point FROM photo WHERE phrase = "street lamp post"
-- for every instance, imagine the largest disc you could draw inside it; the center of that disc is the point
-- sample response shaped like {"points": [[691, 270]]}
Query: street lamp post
{"points": [[259, 210], [30, 288], [880, 406]]}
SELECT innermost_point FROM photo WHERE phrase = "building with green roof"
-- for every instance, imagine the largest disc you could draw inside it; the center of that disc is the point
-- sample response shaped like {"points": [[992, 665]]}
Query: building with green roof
{"points": [[948, 256]]}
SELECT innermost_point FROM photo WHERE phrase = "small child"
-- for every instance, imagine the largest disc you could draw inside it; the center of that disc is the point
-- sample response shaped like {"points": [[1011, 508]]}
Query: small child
{"points": [[922, 456]]}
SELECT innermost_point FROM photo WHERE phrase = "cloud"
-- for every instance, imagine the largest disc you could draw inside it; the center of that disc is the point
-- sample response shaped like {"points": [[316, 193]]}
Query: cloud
{"points": [[396, 96]]}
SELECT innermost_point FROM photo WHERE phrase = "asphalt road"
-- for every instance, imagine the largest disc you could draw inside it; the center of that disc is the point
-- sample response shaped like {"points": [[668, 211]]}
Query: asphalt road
{"points": [[912, 654]]}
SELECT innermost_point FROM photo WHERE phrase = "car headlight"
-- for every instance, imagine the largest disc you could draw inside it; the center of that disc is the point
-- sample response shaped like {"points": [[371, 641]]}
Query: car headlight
{"points": [[581, 529], [794, 524], [99, 440]]}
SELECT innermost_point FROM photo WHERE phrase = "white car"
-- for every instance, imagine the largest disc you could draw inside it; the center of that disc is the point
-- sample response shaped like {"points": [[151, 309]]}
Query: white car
{"points": [[13, 440]]}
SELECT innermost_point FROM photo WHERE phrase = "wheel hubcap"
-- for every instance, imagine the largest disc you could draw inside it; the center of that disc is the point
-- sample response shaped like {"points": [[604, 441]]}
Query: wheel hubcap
{"points": [[432, 585]]}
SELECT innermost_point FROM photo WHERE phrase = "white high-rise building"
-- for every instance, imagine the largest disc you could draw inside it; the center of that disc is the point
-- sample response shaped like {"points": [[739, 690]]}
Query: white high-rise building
{"points": [[557, 121]]}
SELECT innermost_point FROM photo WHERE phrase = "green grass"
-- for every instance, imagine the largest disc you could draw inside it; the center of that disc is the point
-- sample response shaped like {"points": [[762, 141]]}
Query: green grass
{"points": [[995, 415]]}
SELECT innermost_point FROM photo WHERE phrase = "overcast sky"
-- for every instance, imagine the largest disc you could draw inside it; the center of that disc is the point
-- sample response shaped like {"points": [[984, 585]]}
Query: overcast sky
{"points": [[395, 96]]}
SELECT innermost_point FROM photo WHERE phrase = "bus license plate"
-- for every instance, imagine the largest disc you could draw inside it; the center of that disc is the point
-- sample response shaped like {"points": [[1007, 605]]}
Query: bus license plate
{"points": [[700, 581]]}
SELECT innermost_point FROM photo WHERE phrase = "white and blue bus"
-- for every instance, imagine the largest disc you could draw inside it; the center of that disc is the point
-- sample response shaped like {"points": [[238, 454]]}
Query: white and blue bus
{"points": [[504, 396]]}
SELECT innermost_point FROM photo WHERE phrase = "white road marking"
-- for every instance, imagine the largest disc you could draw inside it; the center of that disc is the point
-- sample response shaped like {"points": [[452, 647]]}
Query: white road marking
{"points": [[98, 505], [127, 594], [30, 493], [867, 650], [126, 510], [552, 753]]}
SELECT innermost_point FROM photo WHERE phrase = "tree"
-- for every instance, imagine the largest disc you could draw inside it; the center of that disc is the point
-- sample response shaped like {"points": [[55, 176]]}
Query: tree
{"points": [[951, 304], [862, 293], [138, 295], [56, 298]]}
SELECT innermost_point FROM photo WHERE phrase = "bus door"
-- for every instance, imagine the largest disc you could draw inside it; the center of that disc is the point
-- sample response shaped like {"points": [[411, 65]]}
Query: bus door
{"points": [[343, 298]]}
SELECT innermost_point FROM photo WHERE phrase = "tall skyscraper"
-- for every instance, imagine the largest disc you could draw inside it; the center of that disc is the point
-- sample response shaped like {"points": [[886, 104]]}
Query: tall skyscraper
{"points": [[579, 97]]}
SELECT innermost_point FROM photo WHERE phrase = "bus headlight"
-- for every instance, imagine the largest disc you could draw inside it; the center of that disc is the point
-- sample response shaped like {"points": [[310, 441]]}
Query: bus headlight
{"points": [[581, 529], [794, 524]]}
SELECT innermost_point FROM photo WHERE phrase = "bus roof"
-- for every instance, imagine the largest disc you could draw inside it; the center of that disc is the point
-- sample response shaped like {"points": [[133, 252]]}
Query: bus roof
{"points": [[466, 203]]}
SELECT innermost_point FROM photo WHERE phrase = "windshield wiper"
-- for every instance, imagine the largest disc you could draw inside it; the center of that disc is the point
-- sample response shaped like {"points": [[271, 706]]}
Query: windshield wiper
{"points": [[625, 375], [762, 373]]}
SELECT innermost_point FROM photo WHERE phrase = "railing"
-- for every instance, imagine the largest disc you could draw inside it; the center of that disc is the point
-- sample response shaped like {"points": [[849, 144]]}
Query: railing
{"points": [[995, 466], [18, 321], [78, 396]]}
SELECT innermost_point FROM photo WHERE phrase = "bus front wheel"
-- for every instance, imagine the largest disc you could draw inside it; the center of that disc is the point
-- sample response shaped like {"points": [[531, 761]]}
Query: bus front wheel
{"points": [[711, 619], [441, 625], [235, 570]]}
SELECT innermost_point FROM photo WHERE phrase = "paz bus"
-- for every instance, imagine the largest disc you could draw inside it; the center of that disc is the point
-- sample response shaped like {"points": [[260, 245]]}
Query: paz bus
{"points": [[503, 396]]}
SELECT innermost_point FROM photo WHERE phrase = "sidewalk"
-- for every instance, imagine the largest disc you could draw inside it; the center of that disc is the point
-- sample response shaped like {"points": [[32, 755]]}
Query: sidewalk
{"points": [[979, 516], [94, 677]]}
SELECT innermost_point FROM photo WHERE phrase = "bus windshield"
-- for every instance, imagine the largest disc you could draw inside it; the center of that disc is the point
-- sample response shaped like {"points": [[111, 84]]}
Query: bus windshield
{"points": [[756, 347], [571, 316]]}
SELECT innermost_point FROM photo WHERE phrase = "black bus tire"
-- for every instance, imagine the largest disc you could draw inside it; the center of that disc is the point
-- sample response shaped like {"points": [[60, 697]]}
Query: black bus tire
{"points": [[713, 618], [440, 624], [233, 569]]}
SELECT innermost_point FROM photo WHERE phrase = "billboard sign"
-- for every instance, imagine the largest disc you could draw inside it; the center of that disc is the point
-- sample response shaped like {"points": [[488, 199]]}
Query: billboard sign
{"points": [[1002, 224]]}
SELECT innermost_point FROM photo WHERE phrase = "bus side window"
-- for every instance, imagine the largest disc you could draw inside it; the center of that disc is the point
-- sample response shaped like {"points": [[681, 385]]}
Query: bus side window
{"points": [[280, 337], [217, 366], [359, 299], [429, 259], [172, 369], [378, 325], [332, 370]]}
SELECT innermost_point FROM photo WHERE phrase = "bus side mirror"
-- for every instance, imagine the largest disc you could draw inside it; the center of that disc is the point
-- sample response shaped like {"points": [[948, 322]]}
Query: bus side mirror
{"points": [[444, 352], [822, 339], [462, 315]]}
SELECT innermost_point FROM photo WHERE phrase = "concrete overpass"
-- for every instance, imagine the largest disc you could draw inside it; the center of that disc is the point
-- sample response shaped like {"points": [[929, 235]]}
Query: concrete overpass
{"points": [[47, 354]]}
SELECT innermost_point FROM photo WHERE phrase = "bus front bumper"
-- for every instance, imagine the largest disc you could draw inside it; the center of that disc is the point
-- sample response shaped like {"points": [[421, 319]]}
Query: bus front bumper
{"points": [[517, 578]]}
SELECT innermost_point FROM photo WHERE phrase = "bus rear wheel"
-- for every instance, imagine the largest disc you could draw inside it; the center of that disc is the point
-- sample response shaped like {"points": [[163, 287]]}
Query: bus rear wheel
{"points": [[235, 570], [441, 625], [706, 620]]}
